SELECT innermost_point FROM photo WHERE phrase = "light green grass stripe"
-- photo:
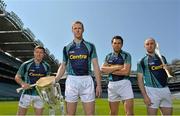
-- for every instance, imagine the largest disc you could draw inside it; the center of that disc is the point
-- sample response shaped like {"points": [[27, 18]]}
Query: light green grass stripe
{"points": [[102, 108]]}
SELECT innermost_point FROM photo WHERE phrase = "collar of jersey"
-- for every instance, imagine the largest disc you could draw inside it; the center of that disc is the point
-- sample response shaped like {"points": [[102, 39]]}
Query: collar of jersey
{"points": [[79, 43], [153, 55], [114, 53]]}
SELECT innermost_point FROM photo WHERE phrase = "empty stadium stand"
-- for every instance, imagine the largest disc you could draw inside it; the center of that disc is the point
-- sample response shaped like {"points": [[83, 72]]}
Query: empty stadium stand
{"points": [[16, 46]]}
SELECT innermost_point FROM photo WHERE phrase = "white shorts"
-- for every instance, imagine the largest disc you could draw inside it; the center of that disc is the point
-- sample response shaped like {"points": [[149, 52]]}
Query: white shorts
{"points": [[79, 86], [120, 90], [26, 100], [160, 97]]}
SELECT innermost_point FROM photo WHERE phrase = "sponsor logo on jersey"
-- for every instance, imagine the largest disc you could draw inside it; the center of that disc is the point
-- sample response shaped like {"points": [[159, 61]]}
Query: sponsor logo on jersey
{"points": [[78, 57], [36, 74], [156, 67]]}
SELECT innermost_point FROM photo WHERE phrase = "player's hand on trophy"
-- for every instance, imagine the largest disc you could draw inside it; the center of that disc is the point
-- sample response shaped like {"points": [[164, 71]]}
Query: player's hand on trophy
{"points": [[54, 80]]}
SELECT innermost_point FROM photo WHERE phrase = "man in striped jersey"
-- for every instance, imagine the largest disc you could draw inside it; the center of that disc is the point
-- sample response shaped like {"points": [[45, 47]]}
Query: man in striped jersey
{"points": [[152, 81], [28, 73]]}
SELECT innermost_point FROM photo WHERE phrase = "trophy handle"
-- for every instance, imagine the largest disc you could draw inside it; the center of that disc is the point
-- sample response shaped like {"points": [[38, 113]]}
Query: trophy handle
{"points": [[60, 97], [58, 91], [45, 96]]}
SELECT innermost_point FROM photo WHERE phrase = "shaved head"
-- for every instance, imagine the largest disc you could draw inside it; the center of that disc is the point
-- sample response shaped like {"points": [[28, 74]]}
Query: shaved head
{"points": [[150, 45], [149, 39]]}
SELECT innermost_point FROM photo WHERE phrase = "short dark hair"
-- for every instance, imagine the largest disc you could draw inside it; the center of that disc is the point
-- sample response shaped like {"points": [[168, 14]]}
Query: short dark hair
{"points": [[40, 47], [117, 37], [78, 22]]}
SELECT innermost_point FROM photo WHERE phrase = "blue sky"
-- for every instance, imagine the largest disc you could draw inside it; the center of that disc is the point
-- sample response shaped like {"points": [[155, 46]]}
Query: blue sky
{"points": [[134, 20]]}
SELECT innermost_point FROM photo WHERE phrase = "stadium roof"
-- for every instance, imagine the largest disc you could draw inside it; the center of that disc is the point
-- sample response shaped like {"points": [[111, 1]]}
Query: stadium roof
{"points": [[19, 42]]}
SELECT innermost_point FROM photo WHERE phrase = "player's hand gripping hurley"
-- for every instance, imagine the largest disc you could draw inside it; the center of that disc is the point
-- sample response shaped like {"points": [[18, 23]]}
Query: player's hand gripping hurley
{"points": [[41, 82], [157, 51]]}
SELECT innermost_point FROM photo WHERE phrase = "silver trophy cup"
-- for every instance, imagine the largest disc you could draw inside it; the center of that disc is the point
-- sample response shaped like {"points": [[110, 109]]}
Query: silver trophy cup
{"points": [[51, 95]]}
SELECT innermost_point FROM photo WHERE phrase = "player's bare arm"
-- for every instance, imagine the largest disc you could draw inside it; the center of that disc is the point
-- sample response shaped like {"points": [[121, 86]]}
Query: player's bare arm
{"points": [[21, 82], [109, 68], [60, 71], [97, 76], [147, 100], [123, 71]]}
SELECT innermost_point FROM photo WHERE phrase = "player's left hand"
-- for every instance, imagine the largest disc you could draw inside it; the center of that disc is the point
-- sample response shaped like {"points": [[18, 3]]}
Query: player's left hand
{"points": [[98, 91]]}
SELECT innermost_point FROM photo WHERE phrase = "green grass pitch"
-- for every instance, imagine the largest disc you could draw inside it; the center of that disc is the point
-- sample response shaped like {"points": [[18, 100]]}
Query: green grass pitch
{"points": [[102, 108]]}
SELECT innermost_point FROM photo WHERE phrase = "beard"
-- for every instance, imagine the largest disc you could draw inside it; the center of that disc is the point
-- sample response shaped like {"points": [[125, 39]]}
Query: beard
{"points": [[117, 50]]}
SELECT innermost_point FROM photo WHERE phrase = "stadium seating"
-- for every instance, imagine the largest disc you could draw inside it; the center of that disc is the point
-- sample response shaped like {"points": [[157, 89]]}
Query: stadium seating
{"points": [[16, 46], [8, 91]]}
